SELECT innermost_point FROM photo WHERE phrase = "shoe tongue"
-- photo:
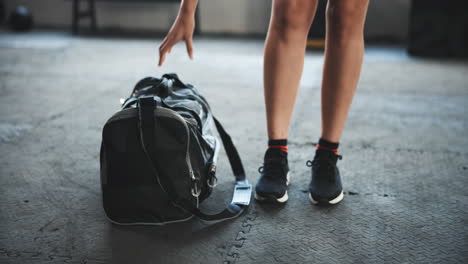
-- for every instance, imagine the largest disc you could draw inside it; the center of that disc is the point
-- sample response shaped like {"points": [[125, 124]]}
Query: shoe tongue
{"points": [[275, 154], [324, 154]]}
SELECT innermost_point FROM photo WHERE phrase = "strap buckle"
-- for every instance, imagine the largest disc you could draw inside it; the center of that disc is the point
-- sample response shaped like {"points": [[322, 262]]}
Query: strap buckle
{"points": [[212, 180], [196, 190], [242, 193]]}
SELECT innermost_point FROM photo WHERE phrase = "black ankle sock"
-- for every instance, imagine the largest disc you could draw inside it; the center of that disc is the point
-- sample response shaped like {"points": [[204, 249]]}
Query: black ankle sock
{"points": [[325, 144], [281, 144]]}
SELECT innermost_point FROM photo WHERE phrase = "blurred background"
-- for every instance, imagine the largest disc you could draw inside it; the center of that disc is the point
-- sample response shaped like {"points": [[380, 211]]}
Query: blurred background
{"points": [[64, 65], [428, 28], [385, 19]]}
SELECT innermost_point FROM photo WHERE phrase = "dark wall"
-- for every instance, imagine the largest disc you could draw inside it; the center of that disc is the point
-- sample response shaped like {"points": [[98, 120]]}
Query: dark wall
{"points": [[438, 28]]}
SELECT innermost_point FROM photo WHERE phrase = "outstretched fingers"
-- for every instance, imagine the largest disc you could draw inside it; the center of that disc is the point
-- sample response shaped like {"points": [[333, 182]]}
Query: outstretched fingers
{"points": [[188, 44], [165, 48]]}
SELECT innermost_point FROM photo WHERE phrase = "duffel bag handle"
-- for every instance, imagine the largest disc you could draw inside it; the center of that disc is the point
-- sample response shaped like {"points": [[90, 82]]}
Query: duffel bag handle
{"points": [[152, 81], [161, 87], [149, 85], [242, 190]]}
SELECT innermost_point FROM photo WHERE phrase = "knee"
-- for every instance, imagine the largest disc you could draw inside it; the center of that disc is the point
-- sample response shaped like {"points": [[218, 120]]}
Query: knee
{"points": [[292, 16], [345, 18]]}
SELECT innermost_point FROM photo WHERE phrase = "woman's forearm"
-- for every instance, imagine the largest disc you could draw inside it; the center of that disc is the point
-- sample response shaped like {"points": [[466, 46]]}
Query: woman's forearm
{"points": [[181, 30], [187, 7]]}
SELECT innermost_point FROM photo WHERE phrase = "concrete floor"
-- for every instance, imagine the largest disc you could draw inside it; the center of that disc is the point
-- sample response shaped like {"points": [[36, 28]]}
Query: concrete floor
{"points": [[405, 163]]}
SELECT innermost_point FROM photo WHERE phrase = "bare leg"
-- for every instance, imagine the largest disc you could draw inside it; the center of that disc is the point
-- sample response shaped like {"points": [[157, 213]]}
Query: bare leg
{"points": [[284, 60], [343, 59]]}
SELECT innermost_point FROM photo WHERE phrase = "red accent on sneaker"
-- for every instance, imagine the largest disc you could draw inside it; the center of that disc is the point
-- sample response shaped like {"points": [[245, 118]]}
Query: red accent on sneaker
{"points": [[283, 148], [333, 150]]}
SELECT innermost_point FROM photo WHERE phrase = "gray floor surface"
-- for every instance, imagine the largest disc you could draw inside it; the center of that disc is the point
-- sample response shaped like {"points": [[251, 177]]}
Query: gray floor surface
{"points": [[405, 151]]}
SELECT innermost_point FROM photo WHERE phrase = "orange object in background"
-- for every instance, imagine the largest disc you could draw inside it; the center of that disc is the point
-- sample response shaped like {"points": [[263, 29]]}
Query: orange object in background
{"points": [[316, 38]]}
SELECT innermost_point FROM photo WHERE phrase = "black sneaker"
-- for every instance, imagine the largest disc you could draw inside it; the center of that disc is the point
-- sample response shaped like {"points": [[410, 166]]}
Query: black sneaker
{"points": [[325, 186], [274, 177]]}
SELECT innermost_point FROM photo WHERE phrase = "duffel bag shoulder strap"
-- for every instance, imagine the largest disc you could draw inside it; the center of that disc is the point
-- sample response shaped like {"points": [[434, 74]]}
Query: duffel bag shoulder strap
{"points": [[242, 189]]}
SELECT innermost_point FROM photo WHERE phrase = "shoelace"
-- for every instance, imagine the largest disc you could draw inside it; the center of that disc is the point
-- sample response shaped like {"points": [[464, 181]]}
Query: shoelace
{"points": [[271, 168], [316, 164]]}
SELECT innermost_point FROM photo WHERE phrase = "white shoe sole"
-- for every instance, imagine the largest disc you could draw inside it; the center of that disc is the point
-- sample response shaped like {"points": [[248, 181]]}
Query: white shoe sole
{"points": [[282, 199], [333, 201]]}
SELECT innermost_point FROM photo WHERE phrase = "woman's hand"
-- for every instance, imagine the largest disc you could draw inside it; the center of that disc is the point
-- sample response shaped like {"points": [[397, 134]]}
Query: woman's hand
{"points": [[181, 30]]}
